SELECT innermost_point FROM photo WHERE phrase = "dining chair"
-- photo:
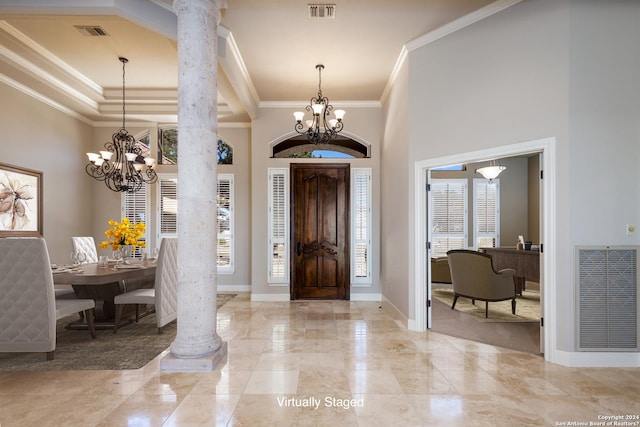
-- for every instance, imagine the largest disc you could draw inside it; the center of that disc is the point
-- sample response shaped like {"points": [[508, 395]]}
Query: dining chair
{"points": [[164, 293], [87, 245], [28, 307]]}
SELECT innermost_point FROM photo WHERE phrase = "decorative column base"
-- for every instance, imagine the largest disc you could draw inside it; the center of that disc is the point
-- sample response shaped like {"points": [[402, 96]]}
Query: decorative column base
{"points": [[170, 363]]}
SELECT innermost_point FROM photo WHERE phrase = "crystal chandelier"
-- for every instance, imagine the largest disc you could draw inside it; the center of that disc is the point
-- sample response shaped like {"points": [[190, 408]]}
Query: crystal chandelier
{"points": [[121, 166], [320, 129]]}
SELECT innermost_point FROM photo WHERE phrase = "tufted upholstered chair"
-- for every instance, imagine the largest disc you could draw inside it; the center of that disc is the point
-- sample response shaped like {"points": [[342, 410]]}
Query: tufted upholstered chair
{"points": [[28, 307], [86, 245], [164, 293]]}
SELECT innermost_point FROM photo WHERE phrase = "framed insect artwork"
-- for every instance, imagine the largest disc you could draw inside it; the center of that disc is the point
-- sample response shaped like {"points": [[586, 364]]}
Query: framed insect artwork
{"points": [[20, 201]]}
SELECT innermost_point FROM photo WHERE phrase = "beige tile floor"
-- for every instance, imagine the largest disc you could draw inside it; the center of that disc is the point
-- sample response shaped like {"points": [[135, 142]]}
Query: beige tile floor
{"points": [[285, 355]]}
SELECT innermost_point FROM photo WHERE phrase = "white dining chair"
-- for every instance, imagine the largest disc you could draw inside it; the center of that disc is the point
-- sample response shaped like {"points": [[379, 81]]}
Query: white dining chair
{"points": [[87, 245], [28, 307], [164, 293]]}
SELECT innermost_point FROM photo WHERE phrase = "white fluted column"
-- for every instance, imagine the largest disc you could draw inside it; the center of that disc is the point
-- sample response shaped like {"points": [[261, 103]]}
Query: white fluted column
{"points": [[197, 345]]}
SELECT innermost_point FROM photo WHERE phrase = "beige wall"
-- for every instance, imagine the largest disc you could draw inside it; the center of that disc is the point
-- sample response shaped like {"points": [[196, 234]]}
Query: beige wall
{"points": [[106, 204], [396, 175], [274, 125], [38, 137], [514, 203]]}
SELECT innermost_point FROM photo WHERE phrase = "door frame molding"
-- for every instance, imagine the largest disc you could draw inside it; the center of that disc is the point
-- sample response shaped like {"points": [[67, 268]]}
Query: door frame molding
{"points": [[422, 274]]}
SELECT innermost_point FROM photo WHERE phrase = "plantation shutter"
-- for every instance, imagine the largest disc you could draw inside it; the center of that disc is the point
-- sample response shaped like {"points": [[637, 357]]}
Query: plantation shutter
{"points": [[361, 238], [134, 207], [278, 225], [486, 213], [168, 215], [225, 223], [167, 207], [449, 215]]}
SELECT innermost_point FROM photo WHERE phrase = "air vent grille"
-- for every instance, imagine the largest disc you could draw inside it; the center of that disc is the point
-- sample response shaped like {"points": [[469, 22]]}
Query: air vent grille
{"points": [[608, 298], [322, 11], [91, 30]]}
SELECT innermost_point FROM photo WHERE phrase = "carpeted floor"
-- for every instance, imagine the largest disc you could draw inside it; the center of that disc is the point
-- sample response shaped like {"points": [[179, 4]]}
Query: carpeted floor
{"points": [[527, 306], [131, 348]]}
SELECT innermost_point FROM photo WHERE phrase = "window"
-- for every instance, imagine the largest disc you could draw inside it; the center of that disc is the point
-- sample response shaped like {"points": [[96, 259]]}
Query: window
{"points": [[361, 226], [225, 223], [448, 215], [168, 149], [320, 154], [134, 207], [168, 215], [486, 213], [278, 226]]}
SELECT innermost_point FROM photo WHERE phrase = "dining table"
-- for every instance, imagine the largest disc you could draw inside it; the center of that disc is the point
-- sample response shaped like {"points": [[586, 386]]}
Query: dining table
{"points": [[102, 284]]}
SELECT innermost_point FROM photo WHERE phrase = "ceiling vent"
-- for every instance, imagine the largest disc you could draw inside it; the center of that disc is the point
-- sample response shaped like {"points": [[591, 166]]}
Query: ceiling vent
{"points": [[322, 11], [91, 30]]}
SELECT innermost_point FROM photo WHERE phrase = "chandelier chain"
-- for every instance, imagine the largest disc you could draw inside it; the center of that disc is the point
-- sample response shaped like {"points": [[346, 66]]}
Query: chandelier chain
{"points": [[124, 61], [122, 166], [320, 129]]}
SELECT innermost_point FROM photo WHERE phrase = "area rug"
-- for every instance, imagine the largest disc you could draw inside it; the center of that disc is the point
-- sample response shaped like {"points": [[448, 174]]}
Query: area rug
{"points": [[527, 307], [132, 347]]}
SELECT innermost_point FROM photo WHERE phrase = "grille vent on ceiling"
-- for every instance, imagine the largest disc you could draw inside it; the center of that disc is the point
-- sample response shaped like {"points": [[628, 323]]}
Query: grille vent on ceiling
{"points": [[91, 30], [323, 11]]}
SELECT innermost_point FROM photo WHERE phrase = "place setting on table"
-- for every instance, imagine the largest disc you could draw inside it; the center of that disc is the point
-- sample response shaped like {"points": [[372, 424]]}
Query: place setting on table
{"points": [[111, 275], [77, 258]]}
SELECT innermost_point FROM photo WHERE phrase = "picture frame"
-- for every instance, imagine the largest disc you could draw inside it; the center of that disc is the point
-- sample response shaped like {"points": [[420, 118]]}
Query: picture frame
{"points": [[20, 201]]}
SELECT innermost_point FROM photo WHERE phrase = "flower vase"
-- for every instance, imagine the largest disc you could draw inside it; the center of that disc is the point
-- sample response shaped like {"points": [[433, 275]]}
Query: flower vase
{"points": [[127, 252]]}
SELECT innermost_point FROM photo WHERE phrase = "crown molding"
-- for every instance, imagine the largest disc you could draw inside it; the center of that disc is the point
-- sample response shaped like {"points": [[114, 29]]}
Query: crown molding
{"points": [[46, 100], [236, 71], [302, 104], [445, 30]]}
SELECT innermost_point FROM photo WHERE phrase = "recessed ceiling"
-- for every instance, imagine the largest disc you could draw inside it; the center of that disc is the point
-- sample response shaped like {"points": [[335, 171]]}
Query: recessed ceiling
{"points": [[278, 43]]}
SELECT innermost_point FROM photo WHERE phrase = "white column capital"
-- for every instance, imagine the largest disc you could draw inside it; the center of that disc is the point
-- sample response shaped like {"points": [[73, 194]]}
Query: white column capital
{"points": [[179, 5]]}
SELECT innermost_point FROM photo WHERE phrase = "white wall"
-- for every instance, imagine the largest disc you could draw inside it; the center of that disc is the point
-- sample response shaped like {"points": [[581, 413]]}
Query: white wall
{"points": [[36, 136], [498, 82], [545, 68]]}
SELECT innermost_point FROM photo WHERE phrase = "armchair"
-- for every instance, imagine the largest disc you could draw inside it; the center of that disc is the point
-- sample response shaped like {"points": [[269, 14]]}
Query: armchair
{"points": [[473, 277], [440, 272]]}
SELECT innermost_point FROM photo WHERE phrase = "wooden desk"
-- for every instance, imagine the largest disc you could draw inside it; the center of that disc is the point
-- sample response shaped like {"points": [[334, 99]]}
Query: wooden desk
{"points": [[525, 263], [103, 284]]}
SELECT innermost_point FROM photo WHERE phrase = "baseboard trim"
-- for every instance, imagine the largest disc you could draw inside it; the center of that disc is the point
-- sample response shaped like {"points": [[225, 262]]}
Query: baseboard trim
{"points": [[270, 297], [398, 315], [365, 297], [234, 288], [596, 359], [287, 297]]}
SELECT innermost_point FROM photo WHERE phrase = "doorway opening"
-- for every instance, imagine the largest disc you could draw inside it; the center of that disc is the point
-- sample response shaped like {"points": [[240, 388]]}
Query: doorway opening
{"points": [[422, 280]]}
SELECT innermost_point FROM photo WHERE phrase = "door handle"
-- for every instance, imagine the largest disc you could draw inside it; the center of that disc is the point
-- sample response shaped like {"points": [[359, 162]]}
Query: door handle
{"points": [[299, 249]]}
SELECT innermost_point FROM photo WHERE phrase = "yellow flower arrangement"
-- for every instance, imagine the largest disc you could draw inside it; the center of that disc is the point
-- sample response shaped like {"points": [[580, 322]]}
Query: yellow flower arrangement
{"points": [[124, 233]]}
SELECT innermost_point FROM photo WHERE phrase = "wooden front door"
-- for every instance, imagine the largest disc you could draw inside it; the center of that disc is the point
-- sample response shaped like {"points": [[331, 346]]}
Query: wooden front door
{"points": [[320, 231]]}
